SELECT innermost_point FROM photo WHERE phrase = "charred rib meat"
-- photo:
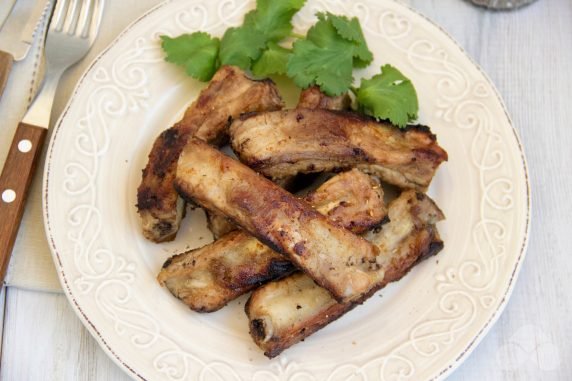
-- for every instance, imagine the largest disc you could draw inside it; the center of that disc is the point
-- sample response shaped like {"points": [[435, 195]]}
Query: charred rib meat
{"points": [[283, 312], [206, 279], [229, 94], [343, 263], [284, 143], [311, 97]]}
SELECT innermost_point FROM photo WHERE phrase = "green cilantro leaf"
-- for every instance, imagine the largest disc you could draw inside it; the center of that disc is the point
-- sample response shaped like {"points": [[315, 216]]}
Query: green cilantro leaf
{"points": [[196, 52], [241, 46], [272, 18], [329, 66], [272, 61], [389, 95], [350, 29], [323, 32], [333, 46], [269, 22], [362, 57]]}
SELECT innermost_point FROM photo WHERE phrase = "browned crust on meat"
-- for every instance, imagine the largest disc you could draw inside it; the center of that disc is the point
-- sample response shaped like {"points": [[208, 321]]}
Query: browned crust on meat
{"points": [[402, 251], [206, 279], [280, 220], [284, 143], [229, 94], [313, 98], [293, 286], [238, 262], [157, 203], [352, 199]]}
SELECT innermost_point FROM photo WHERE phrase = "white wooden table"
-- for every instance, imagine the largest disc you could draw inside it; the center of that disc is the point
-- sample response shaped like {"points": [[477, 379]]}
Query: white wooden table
{"points": [[528, 55]]}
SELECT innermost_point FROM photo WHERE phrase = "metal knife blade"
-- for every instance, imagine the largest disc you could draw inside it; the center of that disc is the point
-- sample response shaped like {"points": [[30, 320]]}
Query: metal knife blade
{"points": [[5, 9], [16, 40]]}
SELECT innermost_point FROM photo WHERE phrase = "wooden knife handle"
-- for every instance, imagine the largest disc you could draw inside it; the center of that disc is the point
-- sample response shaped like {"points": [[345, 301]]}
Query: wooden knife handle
{"points": [[6, 61], [15, 180]]}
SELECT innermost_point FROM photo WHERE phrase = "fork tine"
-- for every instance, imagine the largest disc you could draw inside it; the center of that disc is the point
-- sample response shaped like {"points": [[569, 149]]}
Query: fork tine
{"points": [[59, 14], [72, 17], [96, 15], [85, 18]]}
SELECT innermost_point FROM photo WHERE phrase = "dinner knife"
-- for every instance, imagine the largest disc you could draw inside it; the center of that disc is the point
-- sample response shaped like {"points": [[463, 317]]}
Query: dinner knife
{"points": [[15, 40], [5, 9]]}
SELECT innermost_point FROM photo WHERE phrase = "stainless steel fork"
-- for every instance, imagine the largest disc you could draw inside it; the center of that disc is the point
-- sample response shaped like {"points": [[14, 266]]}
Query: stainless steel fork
{"points": [[72, 31]]}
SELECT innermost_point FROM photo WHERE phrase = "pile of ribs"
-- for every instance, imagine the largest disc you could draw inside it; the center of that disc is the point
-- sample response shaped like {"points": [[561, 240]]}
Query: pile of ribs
{"points": [[307, 260]]}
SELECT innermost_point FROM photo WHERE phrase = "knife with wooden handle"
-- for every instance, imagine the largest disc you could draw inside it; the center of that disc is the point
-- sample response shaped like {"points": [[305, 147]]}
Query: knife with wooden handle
{"points": [[15, 179], [15, 41]]}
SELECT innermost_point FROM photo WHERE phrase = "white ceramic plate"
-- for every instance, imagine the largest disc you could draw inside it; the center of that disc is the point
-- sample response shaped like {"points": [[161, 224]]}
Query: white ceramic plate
{"points": [[420, 328]]}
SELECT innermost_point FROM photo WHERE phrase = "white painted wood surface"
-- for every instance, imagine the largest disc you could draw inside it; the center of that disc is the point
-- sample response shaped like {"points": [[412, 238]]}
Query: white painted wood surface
{"points": [[528, 55]]}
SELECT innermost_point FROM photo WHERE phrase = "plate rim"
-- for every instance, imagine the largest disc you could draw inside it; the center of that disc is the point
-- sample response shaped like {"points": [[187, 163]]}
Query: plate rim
{"points": [[95, 333]]}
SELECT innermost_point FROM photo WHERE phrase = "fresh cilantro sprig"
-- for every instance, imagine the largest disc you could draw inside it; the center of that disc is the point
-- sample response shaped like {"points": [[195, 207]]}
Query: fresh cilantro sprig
{"points": [[197, 53], [201, 55], [328, 54], [241, 46], [273, 18], [326, 57], [389, 95]]}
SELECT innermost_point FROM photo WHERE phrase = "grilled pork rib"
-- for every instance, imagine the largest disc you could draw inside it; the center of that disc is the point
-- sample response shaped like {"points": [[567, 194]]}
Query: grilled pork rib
{"points": [[283, 312], [312, 98], [284, 143], [343, 263], [229, 94], [206, 279]]}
